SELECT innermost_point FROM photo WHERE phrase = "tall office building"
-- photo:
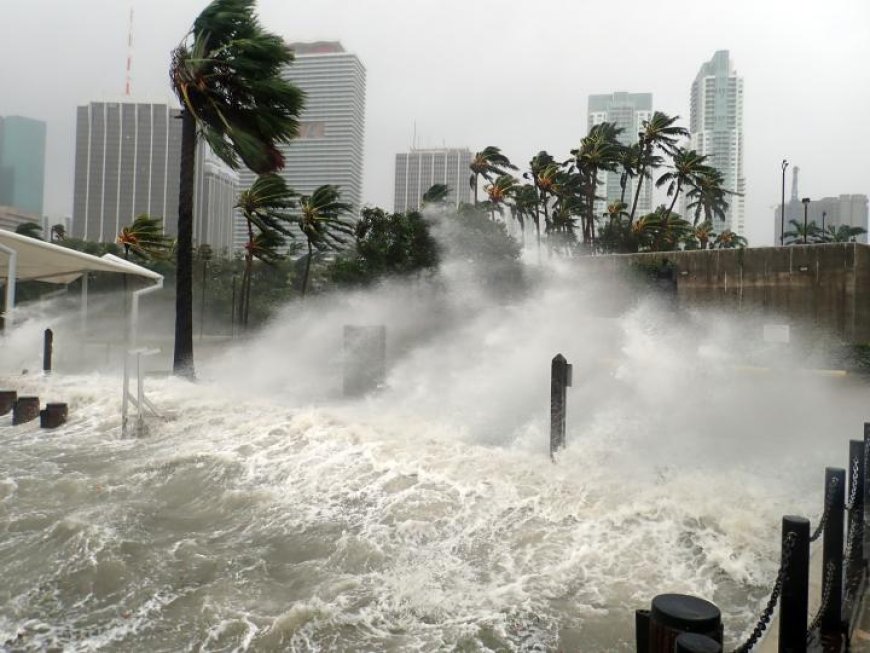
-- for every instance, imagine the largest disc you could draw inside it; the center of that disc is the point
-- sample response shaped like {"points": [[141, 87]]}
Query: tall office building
{"points": [[22, 163], [418, 170], [628, 112], [127, 161], [214, 198], [716, 127], [329, 147]]}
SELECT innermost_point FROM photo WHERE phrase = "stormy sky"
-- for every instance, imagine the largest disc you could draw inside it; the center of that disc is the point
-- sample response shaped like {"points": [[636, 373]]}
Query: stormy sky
{"points": [[473, 73]]}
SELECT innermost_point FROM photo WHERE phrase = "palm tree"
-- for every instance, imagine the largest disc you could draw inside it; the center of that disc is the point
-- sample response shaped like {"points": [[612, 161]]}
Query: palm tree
{"points": [[700, 236], [29, 229], [144, 238], [799, 234], [658, 132], [488, 163], [687, 170], [322, 220], [840, 233], [729, 240], [437, 194], [629, 161], [543, 171], [708, 197], [526, 205], [599, 151], [266, 208], [498, 192], [227, 74], [58, 233]]}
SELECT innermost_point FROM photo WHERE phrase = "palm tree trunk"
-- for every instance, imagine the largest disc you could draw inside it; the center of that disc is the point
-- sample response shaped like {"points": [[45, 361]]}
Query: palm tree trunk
{"points": [[640, 177], [246, 291], [308, 266], [250, 283], [623, 183], [475, 188], [674, 201], [182, 364]]}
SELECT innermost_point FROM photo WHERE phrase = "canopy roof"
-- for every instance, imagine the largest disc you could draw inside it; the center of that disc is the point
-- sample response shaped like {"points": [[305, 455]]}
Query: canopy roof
{"points": [[38, 260]]}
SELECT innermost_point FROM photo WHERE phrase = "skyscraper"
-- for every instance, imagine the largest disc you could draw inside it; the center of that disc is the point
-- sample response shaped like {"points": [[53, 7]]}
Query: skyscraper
{"points": [[22, 163], [418, 170], [627, 111], [716, 126], [215, 193], [329, 147], [127, 162]]}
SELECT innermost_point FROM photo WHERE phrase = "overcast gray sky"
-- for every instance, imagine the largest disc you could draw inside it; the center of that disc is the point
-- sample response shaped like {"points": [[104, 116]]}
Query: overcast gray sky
{"points": [[510, 73]]}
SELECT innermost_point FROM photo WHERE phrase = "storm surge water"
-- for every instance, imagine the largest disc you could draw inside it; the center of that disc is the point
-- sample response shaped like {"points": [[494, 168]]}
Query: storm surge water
{"points": [[264, 512]]}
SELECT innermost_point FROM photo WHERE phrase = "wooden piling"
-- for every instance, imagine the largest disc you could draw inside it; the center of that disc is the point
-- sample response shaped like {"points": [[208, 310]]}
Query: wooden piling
{"points": [[794, 601], [25, 410], [53, 415], [7, 400], [560, 381], [47, 349]]}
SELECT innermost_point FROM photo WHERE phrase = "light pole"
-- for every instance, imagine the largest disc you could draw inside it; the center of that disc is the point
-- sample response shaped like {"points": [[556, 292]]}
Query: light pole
{"points": [[782, 208], [824, 214], [806, 203]]}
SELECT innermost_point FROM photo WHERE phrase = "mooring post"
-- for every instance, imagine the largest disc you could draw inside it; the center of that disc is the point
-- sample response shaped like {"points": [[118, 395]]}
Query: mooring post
{"points": [[832, 552], [795, 584], [670, 615], [560, 381], [866, 486], [7, 400], [695, 643], [47, 348], [25, 410]]}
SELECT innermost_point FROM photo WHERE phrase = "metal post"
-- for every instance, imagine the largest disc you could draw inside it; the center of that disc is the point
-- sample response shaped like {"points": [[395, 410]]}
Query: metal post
{"points": [[560, 380], [806, 203], [855, 565], [866, 503], [795, 584], [832, 551], [47, 348], [782, 210]]}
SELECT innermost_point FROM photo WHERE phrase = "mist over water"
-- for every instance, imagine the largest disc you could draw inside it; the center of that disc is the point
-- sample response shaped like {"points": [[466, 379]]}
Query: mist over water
{"points": [[266, 512]]}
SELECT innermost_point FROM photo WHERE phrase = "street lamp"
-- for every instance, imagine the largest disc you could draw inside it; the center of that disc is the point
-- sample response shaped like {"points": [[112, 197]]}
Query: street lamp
{"points": [[782, 208], [806, 203], [824, 213]]}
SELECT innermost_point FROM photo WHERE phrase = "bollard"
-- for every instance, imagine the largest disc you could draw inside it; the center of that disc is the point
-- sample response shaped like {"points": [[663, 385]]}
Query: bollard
{"points": [[795, 585], [673, 614], [25, 410], [866, 488], [560, 381], [855, 564], [47, 348], [694, 643], [832, 553], [53, 415], [365, 359], [7, 400]]}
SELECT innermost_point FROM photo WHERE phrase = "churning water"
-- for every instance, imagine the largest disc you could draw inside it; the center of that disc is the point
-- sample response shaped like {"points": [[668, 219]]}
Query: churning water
{"points": [[265, 513]]}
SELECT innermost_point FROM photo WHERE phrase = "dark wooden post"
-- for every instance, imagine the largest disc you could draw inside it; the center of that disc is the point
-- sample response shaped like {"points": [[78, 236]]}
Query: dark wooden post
{"points": [[560, 381], [7, 400], [695, 643], [47, 348], [832, 552], [52, 416], [25, 410], [795, 585]]}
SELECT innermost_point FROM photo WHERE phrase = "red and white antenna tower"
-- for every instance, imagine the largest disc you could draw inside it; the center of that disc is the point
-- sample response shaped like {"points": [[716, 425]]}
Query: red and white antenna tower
{"points": [[129, 82]]}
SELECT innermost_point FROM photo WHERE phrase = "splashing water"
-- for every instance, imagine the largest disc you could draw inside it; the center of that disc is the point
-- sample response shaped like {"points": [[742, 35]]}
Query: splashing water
{"points": [[265, 513]]}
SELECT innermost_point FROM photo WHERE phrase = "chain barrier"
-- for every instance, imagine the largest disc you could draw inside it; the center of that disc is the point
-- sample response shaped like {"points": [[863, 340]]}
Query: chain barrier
{"points": [[829, 499], [847, 555], [827, 589], [853, 491], [764, 619]]}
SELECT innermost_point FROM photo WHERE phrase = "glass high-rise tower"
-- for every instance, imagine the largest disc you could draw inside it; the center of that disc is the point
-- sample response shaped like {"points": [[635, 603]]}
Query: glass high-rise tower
{"points": [[716, 126], [22, 163], [418, 170]]}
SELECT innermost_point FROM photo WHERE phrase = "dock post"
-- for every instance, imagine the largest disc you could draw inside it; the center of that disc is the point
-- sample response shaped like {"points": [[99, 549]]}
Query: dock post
{"points": [[855, 563], [25, 410], [47, 349], [670, 615], [795, 584], [560, 381], [832, 552], [695, 643], [7, 400]]}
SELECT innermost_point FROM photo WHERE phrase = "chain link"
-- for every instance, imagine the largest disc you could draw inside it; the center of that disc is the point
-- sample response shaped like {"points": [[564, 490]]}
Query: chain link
{"points": [[764, 619], [851, 536], [829, 500], [827, 589], [853, 489]]}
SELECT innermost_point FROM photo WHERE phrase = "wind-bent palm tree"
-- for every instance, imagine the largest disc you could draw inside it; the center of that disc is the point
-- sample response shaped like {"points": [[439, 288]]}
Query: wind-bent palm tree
{"points": [[488, 163], [701, 236], [227, 74], [687, 170], [437, 194], [708, 197], [498, 193], [599, 151], [144, 237], [29, 229], [322, 220], [526, 206], [840, 233], [658, 132], [629, 162], [543, 171], [729, 240], [266, 208]]}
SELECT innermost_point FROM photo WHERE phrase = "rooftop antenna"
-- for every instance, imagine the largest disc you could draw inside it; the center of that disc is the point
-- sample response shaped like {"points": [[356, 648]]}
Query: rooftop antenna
{"points": [[128, 81]]}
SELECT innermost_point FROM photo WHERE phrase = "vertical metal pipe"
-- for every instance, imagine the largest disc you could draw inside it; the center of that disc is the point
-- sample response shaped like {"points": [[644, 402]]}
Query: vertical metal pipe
{"points": [[795, 584]]}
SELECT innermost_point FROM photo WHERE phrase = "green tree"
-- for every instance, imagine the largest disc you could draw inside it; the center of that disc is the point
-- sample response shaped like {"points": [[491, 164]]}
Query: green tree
{"points": [[58, 233], [708, 197], [599, 151], [227, 73], [266, 207], [659, 132], [488, 163], [729, 240], [323, 220], [437, 194], [803, 235], [687, 169], [498, 192], [840, 233], [144, 238], [29, 229], [701, 236]]}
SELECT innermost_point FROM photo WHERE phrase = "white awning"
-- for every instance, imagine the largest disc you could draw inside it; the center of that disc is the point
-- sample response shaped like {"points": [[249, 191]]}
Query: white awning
{"points": [[38, 260]]}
